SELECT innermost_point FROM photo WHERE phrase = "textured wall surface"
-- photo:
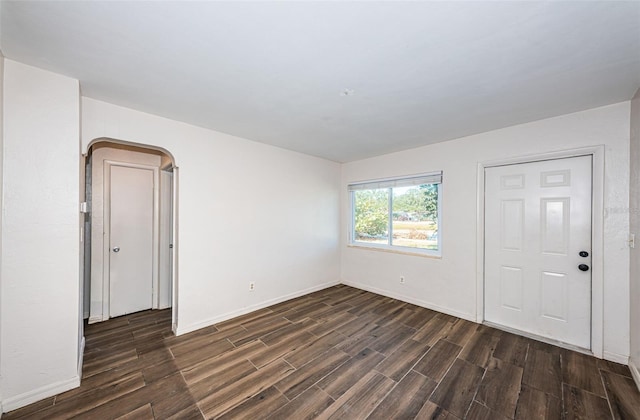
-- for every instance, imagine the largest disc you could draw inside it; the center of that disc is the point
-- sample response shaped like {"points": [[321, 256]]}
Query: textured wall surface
{"points": [[449, 283]]}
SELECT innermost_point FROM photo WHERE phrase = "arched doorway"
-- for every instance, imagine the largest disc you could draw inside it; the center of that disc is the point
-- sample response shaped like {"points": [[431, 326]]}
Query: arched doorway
{"points": [[130, 234]]}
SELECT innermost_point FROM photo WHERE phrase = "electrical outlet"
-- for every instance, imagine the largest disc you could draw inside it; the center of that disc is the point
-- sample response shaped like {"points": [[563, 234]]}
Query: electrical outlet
{"points": [[252, 286], [401, 279]]}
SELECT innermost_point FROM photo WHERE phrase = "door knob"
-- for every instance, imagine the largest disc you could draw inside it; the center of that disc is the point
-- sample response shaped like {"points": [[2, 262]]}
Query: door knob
{"points": [[583, 254], [583, 267], [116, 249]]}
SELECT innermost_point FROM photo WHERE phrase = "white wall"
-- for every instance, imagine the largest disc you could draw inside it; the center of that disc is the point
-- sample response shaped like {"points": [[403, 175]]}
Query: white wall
{"points": [[247, 212], [97, 217], [634, 206], [449, 284], [40, 235]]}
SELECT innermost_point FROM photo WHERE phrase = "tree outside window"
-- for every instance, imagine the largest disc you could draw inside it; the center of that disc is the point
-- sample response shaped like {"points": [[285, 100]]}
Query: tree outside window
{"points": [[399, 215]]}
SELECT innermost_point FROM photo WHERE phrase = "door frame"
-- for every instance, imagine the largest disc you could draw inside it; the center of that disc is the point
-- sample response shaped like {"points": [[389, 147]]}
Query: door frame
{"points": [[597, 232], [106, 241], [165, 232]]}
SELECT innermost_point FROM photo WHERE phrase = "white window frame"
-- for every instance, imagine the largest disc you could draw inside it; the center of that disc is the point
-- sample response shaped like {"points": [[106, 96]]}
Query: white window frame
{"points": [[390, 183]]}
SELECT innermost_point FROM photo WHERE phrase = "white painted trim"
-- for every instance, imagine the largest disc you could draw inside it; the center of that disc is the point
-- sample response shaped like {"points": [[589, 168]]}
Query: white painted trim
{"points": [[174, 254], [165, 230], [106, 223], [635, 372], [480, 244], [87, 147], [81, 356], [95, 319], [597, 240], [252, 308], [408, 299], [597, 253], [41, 393], [615, 357]]}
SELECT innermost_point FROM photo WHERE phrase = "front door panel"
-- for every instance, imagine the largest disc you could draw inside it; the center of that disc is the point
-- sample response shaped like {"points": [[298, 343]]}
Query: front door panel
{"points": [[537, 221]]}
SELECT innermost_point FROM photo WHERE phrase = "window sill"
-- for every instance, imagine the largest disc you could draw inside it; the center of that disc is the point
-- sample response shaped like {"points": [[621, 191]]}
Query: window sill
{"points": [[394, 251]]}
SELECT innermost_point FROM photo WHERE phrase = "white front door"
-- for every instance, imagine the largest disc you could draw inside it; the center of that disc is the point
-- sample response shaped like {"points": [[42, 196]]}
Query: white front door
{"points": [[131, 239], [537, 237]]}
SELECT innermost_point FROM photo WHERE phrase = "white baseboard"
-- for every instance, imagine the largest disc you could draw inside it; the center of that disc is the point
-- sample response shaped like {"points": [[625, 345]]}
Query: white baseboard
{"points": [[81, 356], [229, 315], [94, 319], [408, 299], [615, 357], [46, 391], [635, 373]]}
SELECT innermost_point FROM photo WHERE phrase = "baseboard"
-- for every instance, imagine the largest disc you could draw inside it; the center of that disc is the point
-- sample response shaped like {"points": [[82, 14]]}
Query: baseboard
{"points": [[635, 373], [95, 319], [615, 357], [408, 299], [81, 356], [47, 391], [85, 315], [180, 330]]}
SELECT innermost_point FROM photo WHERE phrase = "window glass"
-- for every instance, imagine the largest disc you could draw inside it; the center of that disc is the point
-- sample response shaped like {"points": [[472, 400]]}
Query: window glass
{"points": [[415, 216], [371, 216], [398, 213]]}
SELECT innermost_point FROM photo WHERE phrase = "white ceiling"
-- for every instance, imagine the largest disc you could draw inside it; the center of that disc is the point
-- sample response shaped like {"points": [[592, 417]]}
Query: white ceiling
{"points": [[276, 72]]}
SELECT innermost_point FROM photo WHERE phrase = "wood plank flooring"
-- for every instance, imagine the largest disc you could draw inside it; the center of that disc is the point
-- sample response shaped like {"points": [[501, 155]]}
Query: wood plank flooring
{"points": [[337, 353]]}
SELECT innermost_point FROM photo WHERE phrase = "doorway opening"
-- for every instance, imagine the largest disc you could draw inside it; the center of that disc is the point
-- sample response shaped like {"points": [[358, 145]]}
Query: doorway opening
{"points": [[130, 233]]}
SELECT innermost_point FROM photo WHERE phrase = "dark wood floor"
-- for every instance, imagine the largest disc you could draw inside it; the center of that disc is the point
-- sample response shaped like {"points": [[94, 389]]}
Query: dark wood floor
{"points": [[338, 353]]}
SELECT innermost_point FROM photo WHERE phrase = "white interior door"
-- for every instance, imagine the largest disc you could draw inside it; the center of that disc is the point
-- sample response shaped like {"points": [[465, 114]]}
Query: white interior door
{"points": [[131, 239], [537, 233]]}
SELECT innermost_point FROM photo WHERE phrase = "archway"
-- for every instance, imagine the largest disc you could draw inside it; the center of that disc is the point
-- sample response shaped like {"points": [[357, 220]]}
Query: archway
{"points": [[104, 154]]}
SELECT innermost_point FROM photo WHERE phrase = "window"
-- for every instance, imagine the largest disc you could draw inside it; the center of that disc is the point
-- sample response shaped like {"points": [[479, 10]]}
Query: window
{"points": [[398, 213]]}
